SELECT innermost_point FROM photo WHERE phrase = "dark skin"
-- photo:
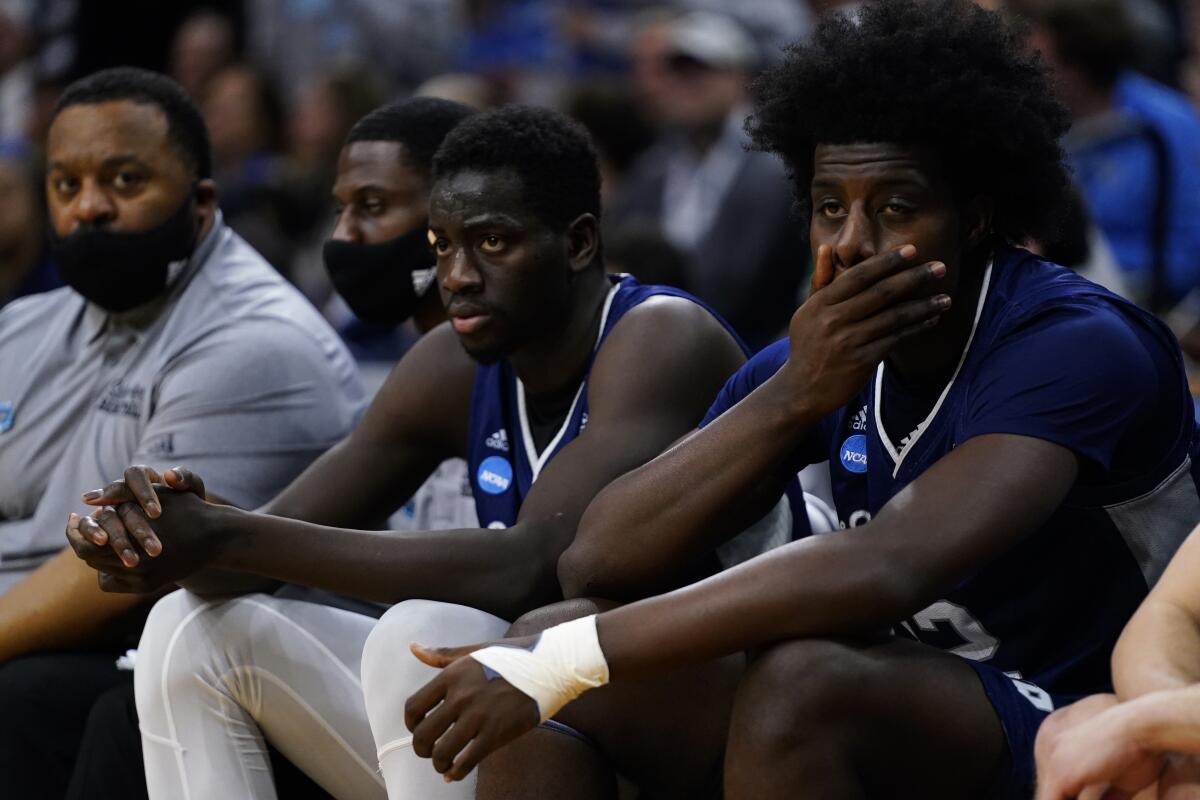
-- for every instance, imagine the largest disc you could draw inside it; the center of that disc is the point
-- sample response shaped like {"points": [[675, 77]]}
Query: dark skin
{"points": [[380, 194], [810, 612], [112, 165], [501, 271]]}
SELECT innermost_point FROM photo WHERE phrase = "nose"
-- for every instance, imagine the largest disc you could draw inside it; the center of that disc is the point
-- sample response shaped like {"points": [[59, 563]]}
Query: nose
{"points": [[457, 272], [346, 229], [93, 206], [856, 238]]}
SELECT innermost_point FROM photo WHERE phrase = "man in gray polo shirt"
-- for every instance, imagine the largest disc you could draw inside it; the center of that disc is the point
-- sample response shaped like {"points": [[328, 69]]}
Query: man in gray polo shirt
{"points": [[174, 341]]}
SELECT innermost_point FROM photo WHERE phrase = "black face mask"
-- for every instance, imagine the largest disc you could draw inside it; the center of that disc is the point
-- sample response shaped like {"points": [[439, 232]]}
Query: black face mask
{"points": [[117, 270], [380, 281]]}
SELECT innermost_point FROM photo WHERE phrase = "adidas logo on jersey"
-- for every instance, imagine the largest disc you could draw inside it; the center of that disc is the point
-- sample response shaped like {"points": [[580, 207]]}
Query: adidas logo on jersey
{"points": [[583, 422], [860, 420], [498, 441]]}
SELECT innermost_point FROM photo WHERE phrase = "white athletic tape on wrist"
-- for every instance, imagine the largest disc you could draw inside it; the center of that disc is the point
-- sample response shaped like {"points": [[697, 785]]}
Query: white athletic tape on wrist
{"points": [[565, 663]]}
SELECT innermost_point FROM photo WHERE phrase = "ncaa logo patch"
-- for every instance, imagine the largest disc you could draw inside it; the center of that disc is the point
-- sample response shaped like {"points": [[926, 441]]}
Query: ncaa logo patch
{"points": [[495, 475], [854, 453], [6, 416]]}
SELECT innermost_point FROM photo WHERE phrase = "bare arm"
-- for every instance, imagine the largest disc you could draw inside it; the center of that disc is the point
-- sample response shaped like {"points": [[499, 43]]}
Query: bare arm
{"points": [[1160, 647], [981, 499], [59, 606], [641, 532], [640, 400]]}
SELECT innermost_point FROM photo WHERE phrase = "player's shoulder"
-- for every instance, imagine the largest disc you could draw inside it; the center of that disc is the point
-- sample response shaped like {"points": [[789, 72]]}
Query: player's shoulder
{"points": [[1032, 295], [436, 371], [666, 331]]}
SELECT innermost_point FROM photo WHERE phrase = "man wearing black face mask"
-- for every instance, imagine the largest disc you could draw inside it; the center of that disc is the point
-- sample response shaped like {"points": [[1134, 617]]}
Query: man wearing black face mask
{"points": [[381, 263], [172, 337]]}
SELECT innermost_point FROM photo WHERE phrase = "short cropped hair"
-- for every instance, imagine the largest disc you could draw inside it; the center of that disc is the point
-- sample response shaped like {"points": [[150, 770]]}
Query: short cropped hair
{"points": [[420, 124], [944, 74], [551, 153], [185, 126]]}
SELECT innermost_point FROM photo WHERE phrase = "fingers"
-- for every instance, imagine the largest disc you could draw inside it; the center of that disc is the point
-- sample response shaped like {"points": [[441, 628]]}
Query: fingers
{"points": [[430, 729], [478, 748], [452, 742], [112, 530], [139, 480], [113, 494], [906, 285], [131, 516], [185, 480], [869, 272], [441, 657], [423, 701], [904, 319], [822, 269], [98, 558]]}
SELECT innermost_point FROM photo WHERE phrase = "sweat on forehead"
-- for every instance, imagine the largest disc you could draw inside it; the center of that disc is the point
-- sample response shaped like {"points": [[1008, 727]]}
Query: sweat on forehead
{"points": [[472, 193]]}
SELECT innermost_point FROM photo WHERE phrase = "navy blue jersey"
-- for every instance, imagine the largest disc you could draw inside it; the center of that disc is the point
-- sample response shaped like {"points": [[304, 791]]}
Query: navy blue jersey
{"points": [[502, 457], [1056, 357]]}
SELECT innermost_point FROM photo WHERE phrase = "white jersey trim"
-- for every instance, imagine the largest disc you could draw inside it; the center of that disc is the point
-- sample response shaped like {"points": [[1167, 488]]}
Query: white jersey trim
{"points": [[898, 454], [538, 460]]}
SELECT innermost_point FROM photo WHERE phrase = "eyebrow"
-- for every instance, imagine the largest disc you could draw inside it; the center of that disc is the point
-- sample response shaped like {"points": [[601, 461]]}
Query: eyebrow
{"points": [[111, 161], [825, 184], [482, 220]]}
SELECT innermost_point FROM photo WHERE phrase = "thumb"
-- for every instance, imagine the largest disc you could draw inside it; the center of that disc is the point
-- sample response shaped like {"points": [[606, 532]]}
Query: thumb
{"points": [[822, 269], [184, 480], [441, 657]]}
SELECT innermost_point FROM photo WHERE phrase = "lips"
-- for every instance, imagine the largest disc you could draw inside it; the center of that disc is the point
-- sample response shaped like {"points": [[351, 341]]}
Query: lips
{"points": [[469, 324], [467, 319]]}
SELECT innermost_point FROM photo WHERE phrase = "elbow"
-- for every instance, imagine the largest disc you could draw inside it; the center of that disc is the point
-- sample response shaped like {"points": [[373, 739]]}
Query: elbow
{"points": [[577, 573]]}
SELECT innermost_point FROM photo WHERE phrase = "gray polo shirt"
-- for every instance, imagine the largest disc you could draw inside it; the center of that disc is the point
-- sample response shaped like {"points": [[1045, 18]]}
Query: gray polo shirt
{"points": [[231, 373]]}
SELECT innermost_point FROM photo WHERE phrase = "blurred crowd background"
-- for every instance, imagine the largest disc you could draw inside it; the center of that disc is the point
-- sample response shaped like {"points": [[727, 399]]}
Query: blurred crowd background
{"points": [[660, 85]]}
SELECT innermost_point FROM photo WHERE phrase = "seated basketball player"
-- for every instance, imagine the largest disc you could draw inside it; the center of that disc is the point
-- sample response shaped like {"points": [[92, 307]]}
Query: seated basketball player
{"points": [[1012, 472], [551, 379]]}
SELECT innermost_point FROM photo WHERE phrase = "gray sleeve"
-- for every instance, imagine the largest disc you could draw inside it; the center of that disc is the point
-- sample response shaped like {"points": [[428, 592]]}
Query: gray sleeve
{"points": [[248, 409]]}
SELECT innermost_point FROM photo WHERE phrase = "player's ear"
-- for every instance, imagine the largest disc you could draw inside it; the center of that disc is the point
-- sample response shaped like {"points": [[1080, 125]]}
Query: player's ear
{"points": [[977, 221], [583, 241]]}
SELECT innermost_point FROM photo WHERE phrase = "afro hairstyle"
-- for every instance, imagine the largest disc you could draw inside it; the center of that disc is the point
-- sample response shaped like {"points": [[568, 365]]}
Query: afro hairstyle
{"points": [[185, 126], [420, 124], [941, 74], [551, 153]]}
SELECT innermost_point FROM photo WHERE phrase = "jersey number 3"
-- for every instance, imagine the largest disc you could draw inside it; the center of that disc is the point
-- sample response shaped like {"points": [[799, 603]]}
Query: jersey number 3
{"points": [[952, 628]]}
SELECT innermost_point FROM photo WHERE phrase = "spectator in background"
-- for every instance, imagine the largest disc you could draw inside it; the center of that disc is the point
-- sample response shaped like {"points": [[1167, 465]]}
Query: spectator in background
{"points": [[203, 46], [174, 340], [25, 267], [245, 117], [618, 129], [1134, 145], [728, 209], [621, 135], [317, 125], [403, 41]]}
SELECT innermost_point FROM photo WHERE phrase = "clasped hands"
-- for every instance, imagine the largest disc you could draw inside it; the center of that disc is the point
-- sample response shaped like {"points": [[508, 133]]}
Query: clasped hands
{"points": [[123, 539]]}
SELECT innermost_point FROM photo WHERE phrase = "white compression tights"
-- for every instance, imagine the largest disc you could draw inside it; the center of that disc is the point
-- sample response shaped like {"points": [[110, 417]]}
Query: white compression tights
{"points": [[214, 678], [391, 674]]}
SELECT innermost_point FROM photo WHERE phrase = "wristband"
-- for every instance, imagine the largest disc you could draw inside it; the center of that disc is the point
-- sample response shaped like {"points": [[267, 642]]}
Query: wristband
{"points": [[564, 663]]}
